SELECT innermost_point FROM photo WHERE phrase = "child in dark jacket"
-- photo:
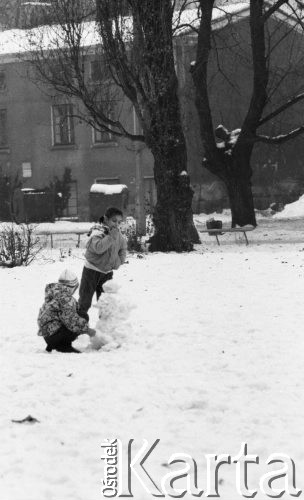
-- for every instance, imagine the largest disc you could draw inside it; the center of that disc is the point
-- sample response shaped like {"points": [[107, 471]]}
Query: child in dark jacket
{"points": [[58, 319], [106, 250]]}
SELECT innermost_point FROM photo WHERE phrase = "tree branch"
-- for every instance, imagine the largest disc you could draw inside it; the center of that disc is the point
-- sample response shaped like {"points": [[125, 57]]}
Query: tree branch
{"points": [[186, 25], [260, 74], [273, 9], [199, 71], [282, 108], [280, 139]]}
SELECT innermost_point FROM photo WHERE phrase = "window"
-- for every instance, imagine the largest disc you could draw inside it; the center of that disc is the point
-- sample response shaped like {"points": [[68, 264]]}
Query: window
{"points": [[26, 169], [96, 71], [102, 136], [63, 125], [107, 180], [2, 80], [99, 70], [3, 129]]}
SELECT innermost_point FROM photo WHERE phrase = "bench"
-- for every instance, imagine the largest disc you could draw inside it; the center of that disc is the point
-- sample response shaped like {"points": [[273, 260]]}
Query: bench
{"points": [[223, 230], [53, 233]]}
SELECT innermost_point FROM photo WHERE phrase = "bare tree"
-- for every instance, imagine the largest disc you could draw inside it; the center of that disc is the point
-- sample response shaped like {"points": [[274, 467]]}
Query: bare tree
{"points": [[135, 53], [230, 159]]}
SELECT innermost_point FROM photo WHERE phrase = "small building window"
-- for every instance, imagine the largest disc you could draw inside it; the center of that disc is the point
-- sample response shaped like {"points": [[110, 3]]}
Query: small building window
{"points": [[101, 137], [26, 170], [107, 180], [3, 129], [2, 80], [104, 136], [63, 125], [97, 72]]}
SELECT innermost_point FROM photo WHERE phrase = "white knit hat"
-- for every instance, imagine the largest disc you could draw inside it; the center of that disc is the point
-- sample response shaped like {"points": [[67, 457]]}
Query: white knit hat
{"points": [[68, 278]]}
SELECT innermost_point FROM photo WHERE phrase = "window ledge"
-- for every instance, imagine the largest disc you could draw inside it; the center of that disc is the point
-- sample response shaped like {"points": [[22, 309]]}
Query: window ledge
{"points": [[56, 147], [110, 144], [5, 150]]}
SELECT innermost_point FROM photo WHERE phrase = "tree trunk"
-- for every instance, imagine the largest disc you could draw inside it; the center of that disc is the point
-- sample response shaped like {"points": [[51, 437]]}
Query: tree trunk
{"points": [[172, 217], [241, 200], [174, 228]]}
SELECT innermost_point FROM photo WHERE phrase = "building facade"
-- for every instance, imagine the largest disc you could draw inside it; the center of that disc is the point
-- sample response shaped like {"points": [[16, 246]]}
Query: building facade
{"points": [[41, 137]]}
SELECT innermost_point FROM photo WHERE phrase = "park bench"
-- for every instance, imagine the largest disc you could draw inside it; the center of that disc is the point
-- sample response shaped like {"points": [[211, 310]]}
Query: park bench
{"points": [[47, 233], [223, 230]]}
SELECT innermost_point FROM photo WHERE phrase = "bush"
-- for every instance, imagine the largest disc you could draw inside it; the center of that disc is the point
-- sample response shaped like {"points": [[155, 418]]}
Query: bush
{"points": [[137, 243], [134, 242], [18, 245]]}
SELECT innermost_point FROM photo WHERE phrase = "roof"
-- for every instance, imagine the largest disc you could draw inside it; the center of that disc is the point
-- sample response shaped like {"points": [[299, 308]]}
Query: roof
{"points": [[233, 13], [18, 42], [220, 16]]}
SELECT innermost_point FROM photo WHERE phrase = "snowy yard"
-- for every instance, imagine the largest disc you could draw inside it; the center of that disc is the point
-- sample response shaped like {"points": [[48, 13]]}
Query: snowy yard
{"points": [[212, 357]]}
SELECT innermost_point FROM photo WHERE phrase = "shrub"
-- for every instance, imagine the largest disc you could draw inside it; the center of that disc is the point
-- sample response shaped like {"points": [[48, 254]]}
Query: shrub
{"points": [[135, 242], [18, 245]]}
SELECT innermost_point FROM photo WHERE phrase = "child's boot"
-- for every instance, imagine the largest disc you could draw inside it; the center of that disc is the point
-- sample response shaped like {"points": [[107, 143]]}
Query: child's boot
{"points": [[67, 348]]}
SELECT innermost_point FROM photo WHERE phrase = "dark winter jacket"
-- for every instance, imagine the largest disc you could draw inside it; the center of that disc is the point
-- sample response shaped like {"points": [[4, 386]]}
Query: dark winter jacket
{"points": [[106, 249], [60, 308]]}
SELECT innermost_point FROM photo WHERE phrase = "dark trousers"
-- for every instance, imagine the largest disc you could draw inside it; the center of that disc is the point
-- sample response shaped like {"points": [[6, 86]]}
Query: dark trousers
{"points": [[91, 282], [62, 338]]}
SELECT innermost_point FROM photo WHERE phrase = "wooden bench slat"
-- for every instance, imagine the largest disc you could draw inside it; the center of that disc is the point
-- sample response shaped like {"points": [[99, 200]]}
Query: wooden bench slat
{"points": [[223, 230], [228, 230]]}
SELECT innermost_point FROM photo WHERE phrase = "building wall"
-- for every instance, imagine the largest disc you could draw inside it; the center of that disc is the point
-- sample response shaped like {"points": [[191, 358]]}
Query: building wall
{"points": [[278, 171], [29, 126]]}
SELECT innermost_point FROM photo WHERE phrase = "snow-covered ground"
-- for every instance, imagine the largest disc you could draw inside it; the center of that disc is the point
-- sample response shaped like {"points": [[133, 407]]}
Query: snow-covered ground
{"points": [[212, 358]]}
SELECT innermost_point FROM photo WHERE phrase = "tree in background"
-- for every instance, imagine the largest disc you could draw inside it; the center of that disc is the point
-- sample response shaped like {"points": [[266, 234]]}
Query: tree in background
{"points": [[230, 159], [135, 53], [8, 186]]}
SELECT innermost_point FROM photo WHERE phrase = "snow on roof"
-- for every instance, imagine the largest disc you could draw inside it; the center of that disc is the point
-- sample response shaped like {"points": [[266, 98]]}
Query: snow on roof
{"points": [[20, 41], [235, 12], [108, 188], [16, 42], [183, 22]]}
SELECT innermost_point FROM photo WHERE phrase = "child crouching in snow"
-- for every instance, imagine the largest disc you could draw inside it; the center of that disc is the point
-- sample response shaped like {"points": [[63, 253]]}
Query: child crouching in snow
{"points": [[105, 250], [58, 319]]}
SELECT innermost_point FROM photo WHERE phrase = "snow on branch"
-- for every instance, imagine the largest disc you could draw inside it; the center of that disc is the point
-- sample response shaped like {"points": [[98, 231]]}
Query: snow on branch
{"points": [[280, 139]]}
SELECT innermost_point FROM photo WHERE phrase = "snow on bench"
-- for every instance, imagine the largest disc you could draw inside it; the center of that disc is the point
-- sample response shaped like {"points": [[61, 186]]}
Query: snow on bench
{"points": [[52, 229]]}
